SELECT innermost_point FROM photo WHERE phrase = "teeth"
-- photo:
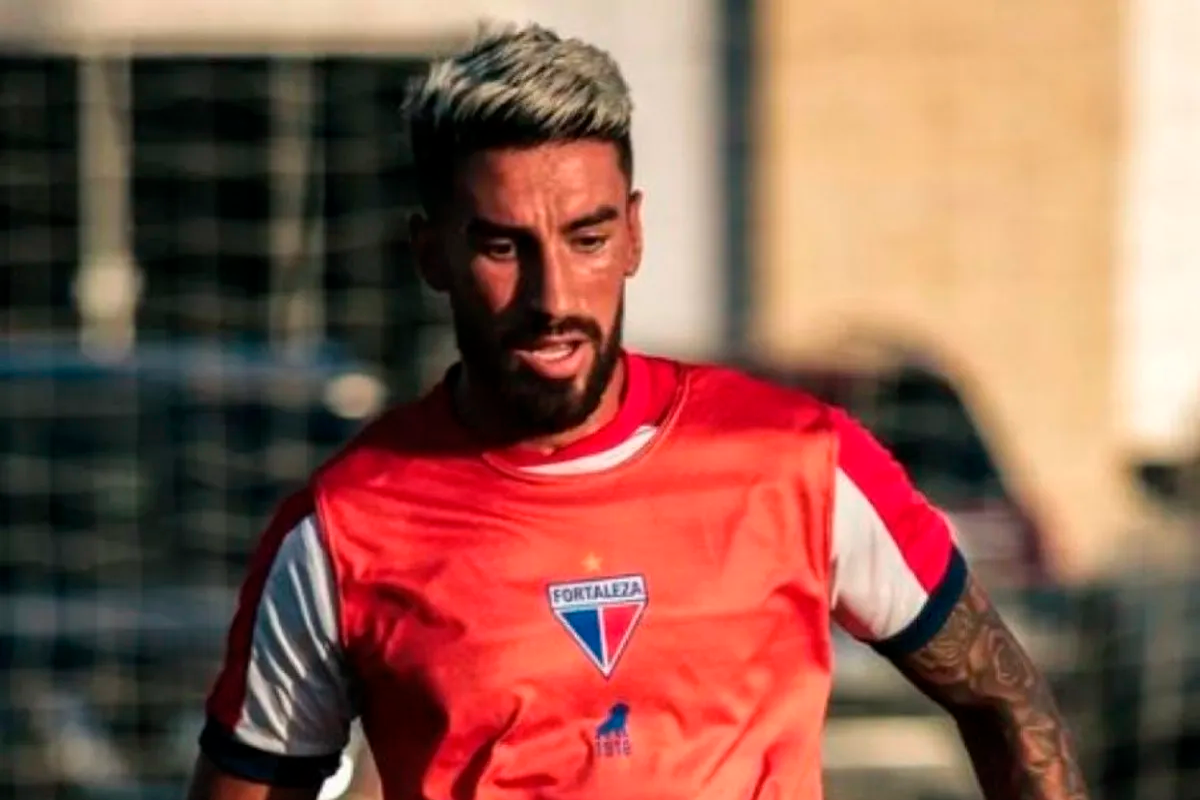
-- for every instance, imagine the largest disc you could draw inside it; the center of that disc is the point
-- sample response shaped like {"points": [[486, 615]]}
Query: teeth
{"points": [[554, 352]]}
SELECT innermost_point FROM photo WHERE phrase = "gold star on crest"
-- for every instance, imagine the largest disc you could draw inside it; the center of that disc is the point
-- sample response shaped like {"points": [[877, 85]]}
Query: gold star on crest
{"points": [[592, 563]]}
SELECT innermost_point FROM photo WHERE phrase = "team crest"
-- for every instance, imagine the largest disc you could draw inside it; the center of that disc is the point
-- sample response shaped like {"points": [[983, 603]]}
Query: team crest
{"points": [[600, 615]]}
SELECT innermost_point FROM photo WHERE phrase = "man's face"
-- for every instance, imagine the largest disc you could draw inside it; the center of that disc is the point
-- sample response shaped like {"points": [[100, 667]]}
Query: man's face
{"points": [[534, 250]]}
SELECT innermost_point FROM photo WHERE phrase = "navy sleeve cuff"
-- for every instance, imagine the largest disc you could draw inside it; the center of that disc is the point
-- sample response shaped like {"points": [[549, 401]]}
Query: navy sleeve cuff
{"points": [[251, 764], [933, 616]]}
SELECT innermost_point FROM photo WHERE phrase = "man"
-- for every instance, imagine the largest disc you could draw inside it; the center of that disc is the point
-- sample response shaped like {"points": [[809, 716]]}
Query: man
{"points": [[571, 571]]}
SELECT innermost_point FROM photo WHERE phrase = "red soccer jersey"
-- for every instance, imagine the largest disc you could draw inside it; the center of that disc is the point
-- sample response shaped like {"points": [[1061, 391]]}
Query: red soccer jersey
{"points": [[647, 614]]}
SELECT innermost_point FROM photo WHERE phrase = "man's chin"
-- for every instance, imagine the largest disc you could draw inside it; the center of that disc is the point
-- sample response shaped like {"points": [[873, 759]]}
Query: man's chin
{"points": [[546, 415], [537, 405]]}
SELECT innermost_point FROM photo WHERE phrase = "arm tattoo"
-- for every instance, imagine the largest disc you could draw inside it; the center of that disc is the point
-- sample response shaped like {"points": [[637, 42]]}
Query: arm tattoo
{"points": [[975, 669]]}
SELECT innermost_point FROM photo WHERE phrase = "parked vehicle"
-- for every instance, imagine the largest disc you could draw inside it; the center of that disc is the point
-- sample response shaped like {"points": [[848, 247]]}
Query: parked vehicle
{"points": [[134, 491]]}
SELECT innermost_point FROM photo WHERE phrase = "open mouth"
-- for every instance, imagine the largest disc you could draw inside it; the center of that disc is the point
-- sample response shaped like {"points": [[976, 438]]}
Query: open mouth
{"points": [[554, 358]]}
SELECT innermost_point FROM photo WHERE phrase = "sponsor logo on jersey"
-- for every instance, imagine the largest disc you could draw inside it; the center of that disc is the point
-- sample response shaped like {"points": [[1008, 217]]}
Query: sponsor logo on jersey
{"points": [[600, 615], [612, 735]]}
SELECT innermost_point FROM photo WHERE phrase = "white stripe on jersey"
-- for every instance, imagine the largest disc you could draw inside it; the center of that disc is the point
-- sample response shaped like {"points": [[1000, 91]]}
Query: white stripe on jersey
{"points": [[596, 462], [873, 588], [297, 694]]}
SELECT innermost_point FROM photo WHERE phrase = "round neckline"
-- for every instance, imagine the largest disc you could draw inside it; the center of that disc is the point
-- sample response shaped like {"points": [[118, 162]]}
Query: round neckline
{"points": [[500, 464], [631, 414]]}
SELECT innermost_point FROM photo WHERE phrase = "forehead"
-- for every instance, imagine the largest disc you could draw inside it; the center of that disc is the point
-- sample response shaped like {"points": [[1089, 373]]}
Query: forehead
{"points": [[517, 185]]}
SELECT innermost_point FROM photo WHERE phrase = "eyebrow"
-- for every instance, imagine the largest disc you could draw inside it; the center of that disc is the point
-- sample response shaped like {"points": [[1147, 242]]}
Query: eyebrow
{"points": [[598, 217], [479, 226]]}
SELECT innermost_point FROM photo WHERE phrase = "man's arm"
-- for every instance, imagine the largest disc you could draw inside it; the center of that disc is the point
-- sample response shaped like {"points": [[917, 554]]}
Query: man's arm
{"points": [[900, 584], [976, 670]]}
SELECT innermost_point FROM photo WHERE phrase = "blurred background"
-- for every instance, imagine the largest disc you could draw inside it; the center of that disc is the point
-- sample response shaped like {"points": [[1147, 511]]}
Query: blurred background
{"points": [[972, 224]]}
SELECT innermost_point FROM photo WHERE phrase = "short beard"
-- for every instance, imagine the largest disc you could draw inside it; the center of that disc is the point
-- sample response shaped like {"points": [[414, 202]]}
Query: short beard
{"points": [[529, 404]]}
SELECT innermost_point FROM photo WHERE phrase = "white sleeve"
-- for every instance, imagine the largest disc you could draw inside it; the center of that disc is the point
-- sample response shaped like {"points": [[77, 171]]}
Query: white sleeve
{"points": [[896, 569], [281, 709]]}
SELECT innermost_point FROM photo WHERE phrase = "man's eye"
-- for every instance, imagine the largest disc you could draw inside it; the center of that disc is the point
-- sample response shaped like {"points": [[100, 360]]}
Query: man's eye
{"points": [[498, 250], [590, 243]]}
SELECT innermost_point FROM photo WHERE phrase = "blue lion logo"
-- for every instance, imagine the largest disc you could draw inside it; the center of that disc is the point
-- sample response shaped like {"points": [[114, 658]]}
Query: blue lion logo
{"points": [[612, 735], [615, 724]]}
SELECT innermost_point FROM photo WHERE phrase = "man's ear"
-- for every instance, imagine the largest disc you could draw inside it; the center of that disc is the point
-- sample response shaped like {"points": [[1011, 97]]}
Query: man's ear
{"points": [[634, 217], [428, 253]]}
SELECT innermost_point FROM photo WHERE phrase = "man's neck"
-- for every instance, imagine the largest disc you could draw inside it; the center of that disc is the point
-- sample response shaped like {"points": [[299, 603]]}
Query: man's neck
{"points": [[479, 412]]}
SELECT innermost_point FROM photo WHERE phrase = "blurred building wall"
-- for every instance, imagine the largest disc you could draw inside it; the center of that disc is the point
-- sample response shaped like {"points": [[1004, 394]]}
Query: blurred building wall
{"points": [[949, 173], [1159, 376]]}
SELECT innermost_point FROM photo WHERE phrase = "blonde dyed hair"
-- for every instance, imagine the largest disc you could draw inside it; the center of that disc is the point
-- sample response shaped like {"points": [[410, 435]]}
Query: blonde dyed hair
{"points": [[514, 87]]}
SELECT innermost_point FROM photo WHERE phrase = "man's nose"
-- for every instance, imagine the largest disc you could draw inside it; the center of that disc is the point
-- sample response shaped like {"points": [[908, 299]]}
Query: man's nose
{"points": [[551, 289]]}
